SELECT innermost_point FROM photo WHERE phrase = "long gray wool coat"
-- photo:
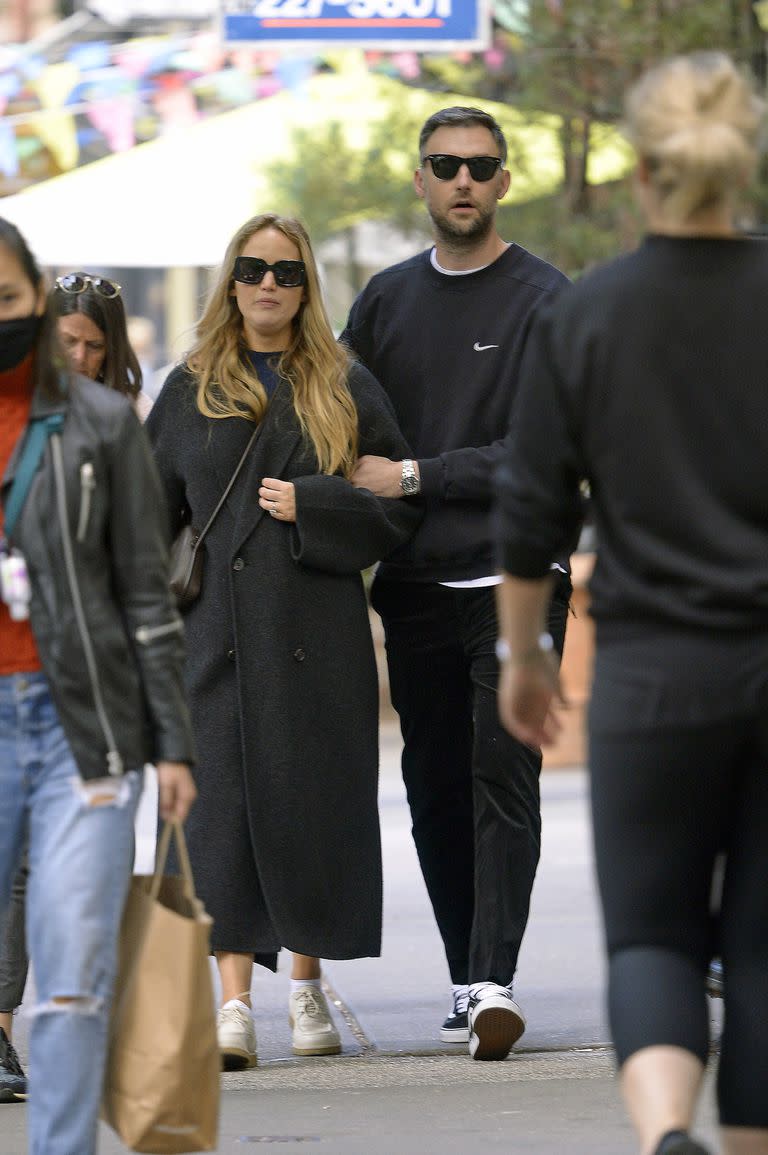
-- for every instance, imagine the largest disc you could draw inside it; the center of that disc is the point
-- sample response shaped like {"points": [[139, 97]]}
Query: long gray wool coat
{"points": [[284, 836]]}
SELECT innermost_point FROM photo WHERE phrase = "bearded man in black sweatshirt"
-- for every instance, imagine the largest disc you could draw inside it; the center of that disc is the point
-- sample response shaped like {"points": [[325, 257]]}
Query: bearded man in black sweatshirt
{"points": [[444, 333]]}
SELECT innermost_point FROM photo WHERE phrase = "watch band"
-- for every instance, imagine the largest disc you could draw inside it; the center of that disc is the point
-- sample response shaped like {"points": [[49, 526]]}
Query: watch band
{"points": [[409, 479]]}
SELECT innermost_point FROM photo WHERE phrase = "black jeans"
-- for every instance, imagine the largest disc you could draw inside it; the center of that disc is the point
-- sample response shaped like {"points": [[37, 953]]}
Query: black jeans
{"points": [[473, 790]]}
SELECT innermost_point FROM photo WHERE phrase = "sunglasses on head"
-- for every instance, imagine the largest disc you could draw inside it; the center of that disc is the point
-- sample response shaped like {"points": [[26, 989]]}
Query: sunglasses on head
{"points": [[481, 168], [79, 282], [252, 270]]}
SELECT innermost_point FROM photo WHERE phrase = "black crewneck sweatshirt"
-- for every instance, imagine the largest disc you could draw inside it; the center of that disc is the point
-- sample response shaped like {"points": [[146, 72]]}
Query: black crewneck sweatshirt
{"points": [[447, 350], [649, 377]]}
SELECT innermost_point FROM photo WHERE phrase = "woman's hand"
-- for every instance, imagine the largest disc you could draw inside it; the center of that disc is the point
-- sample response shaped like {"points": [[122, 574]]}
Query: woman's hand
{"points": [[278, 498], [529, 693], [176, 790]]}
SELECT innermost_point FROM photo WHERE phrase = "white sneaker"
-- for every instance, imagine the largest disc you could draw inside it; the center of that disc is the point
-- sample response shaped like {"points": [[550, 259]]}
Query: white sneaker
{"points": [[313, 1029], [237, 1036], [495, 1021]]}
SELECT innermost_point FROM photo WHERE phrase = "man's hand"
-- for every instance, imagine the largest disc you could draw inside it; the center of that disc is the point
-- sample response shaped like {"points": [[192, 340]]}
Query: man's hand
{"points": [[176, 790], [380, 475]]}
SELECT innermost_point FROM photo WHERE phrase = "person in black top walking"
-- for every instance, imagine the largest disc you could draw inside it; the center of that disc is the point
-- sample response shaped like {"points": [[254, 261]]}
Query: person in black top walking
{"points": [[444, 333], [648, 378]]}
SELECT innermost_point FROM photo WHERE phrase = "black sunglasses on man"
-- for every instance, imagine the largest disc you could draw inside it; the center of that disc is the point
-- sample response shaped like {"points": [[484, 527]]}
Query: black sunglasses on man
{"points": [[445, 165]]}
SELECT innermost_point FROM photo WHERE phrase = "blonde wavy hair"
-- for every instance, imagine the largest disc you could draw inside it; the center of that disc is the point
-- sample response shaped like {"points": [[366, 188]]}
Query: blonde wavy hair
{"points": [[694, 120], [314, 364]]}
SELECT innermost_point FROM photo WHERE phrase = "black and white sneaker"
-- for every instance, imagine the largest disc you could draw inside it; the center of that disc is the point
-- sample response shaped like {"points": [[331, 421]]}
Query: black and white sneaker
{"points": [[679, 1143], [495, 1021], [13, 1081], [455, 1029]]}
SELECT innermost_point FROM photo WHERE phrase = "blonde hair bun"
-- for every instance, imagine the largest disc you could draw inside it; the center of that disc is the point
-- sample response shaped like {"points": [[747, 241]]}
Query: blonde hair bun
{"points": [[694, 120]]}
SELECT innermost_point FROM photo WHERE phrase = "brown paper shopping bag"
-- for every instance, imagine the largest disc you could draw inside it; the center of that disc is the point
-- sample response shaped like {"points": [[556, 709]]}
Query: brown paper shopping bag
{"points": [[161, 1089]]}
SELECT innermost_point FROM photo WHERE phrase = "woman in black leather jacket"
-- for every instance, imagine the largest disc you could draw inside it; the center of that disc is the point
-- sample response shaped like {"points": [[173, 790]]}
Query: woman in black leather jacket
{"points": [[90, 687]]}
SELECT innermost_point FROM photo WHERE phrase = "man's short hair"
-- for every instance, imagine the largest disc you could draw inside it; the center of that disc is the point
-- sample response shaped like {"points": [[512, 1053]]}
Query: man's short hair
{"points": [[460, 117]]}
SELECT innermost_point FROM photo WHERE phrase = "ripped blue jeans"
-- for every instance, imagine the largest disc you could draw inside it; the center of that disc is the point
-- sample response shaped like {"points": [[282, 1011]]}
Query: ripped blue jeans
{"points": [[81, 842]]}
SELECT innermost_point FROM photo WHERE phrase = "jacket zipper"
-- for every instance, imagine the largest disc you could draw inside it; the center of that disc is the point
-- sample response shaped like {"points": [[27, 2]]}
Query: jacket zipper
{"points": [[87, 486], [114, 760], [146, 634]]}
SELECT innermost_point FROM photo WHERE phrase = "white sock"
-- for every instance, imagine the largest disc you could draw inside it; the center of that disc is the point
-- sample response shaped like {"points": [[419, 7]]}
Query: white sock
{"points": [[236, 1003], [298, 984]]}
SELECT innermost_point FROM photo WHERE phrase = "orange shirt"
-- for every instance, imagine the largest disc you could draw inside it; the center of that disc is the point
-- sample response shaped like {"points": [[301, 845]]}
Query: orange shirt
{"points": [[18, 652]]}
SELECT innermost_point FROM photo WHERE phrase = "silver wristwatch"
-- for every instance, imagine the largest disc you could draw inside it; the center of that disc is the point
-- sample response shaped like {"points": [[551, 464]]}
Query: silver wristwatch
{"points": [[409, 480]]}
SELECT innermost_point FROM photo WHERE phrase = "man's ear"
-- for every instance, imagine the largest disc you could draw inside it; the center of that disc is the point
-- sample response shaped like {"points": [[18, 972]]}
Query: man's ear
{"points": [[418, 183], [504, 183]]}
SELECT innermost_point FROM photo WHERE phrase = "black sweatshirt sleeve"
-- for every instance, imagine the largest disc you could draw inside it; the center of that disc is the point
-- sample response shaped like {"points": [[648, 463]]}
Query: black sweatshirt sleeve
{"points": [[540, 506]]}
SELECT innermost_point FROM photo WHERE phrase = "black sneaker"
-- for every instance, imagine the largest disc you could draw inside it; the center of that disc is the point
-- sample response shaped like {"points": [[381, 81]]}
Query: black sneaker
{"points": [[495, 1021], [455, 1029], [679, 1143], [13, 1082]]}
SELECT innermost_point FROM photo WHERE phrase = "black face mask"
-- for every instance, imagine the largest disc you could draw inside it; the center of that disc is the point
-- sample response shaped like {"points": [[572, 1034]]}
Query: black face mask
{"points": [[17, 339]]}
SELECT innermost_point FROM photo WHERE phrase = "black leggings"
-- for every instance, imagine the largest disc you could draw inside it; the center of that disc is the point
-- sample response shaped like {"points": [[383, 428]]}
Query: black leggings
{"points": [[666, 805]]}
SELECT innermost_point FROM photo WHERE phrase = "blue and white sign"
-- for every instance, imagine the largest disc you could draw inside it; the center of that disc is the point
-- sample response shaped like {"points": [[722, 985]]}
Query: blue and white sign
{"points": [[423, 25]]}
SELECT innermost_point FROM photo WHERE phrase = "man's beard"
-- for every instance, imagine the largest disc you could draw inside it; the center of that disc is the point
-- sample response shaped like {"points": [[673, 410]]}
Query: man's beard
{"points": [[463, 234]]}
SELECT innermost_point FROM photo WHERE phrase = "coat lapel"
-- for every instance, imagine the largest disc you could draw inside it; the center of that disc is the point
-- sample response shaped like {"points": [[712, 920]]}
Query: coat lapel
{"points": [[225, 442], [276, 444]]}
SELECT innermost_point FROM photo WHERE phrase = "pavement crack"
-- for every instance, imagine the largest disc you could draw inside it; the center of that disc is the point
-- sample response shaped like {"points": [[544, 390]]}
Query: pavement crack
{"points": [[367, 1046]]}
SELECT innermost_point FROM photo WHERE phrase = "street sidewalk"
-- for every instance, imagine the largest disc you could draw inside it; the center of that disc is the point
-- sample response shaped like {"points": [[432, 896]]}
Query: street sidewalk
{"points": [[396, 1089]]}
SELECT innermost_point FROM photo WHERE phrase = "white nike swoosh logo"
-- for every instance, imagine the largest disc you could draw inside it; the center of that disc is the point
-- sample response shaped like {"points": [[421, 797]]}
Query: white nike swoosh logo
{"points": [[479, 348]]}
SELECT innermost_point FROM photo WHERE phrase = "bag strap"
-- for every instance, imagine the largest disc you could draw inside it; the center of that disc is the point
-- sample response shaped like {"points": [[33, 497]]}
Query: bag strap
{"points": [[38, 432], [228, 490], [172, 828]]}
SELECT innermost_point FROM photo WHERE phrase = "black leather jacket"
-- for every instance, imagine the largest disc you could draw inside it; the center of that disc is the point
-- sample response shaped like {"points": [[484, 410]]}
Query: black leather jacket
{"points": [[93, 532]]}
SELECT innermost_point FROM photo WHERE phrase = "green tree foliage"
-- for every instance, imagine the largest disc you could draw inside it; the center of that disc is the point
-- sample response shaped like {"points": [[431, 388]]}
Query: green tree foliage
{"points": [[580, 56], [332, 184]]}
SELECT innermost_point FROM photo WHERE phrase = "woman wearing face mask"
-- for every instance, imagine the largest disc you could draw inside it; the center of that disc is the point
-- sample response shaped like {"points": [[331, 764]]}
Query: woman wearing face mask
{"points": [[92, 330], [90, 687], [280, 662]]}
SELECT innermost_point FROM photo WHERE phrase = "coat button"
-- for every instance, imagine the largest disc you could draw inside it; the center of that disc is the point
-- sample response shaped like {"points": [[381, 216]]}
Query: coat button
{"points": [[238, 564], [299, 655], [231, 655]]}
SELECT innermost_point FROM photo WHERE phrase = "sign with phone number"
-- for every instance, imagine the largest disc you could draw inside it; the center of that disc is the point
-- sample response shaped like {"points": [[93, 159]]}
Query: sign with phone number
{"points": [[424, 25]]}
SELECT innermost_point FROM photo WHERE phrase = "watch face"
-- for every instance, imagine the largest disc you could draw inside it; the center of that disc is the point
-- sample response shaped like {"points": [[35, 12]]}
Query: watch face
{"points": [[409, 485]]}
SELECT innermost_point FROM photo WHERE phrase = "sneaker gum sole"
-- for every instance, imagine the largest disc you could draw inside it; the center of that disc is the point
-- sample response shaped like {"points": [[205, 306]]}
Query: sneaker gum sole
{"points": [[497, 1030], [233, 1059], [321, 1049]]}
